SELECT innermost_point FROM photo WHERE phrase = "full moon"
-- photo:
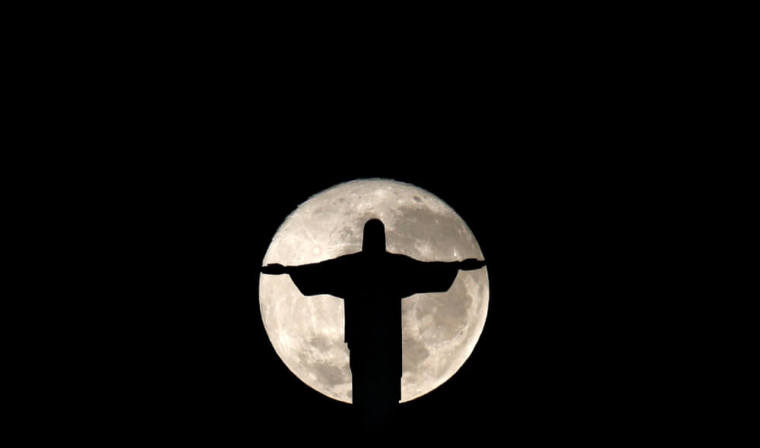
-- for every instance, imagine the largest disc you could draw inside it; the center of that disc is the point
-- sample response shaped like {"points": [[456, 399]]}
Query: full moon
{"points": [[439, 331]]}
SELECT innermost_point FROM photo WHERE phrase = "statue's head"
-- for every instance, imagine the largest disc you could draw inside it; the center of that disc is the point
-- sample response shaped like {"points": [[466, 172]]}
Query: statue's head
{"points": [[374, 237]]}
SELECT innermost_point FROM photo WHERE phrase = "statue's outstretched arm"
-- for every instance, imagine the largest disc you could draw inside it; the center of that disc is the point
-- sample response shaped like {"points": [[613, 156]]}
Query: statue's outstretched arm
{"points": [[470, 264], [275, 269], [325, 277]]}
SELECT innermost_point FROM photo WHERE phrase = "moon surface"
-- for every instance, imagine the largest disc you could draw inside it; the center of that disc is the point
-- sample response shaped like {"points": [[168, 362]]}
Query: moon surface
{"points": [[439, 331]]}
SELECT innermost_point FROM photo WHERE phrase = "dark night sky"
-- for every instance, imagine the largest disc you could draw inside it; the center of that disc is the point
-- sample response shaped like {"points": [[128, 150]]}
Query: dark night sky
{"points": [[566, 349], [552, 361], [558, 166], [570, 348]]}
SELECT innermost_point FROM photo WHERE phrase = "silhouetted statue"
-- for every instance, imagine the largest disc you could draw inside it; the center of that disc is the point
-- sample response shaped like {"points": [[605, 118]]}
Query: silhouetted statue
{"points": [[371, 282]]}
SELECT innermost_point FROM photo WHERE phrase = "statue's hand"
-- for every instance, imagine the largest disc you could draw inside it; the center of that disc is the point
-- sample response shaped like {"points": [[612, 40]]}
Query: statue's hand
{"points": [[471, 264], [273, 269]]}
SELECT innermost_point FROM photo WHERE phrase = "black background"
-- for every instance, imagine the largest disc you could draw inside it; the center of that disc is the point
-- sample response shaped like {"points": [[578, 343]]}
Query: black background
{"points": [[169, 343], [560, 355], [560, 187], [563, 150]]}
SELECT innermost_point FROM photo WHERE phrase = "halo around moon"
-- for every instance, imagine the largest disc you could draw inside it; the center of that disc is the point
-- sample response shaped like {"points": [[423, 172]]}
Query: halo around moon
{"points": [[439, 331]]}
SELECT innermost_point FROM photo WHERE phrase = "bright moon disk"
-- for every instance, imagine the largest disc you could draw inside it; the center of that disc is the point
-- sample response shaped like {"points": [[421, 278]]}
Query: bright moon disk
{"points": [[439, 331]]}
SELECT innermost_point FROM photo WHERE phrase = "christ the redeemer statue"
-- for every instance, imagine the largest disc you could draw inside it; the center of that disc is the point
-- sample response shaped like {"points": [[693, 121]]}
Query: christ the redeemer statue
{"points": [[371, 283]]}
